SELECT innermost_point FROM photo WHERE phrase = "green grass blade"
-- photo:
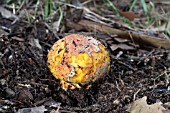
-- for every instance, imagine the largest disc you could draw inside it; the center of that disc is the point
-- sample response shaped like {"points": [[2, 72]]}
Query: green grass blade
{"points": [[133, 4], [155, 15], [145, 8], [36, 8], [46, 9], [111, 5], [144, 5], [50, 7]]}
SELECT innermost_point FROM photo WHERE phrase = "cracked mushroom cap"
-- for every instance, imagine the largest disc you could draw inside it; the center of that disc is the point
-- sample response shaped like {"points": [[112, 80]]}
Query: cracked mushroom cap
{"points": [[77, 59]]}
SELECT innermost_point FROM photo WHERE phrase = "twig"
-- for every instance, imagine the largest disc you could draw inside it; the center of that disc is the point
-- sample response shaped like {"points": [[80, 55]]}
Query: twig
{"points": [[142, 58], [49, 45], [130, 67], [134, 96], [141, 39], [57, 111], [20, 7], [88, 11], [55, 34]]}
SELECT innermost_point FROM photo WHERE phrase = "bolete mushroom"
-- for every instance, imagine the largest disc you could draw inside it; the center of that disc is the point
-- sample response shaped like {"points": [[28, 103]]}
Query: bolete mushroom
{"points": [[77, 59]]}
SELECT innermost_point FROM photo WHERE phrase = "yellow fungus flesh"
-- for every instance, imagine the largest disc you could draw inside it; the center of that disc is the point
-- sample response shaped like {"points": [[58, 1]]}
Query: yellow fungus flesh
{"points": [[76, 60]]}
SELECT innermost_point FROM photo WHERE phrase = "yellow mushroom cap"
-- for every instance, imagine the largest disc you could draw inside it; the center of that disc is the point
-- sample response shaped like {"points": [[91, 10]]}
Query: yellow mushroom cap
{"points": [[77, 59]]}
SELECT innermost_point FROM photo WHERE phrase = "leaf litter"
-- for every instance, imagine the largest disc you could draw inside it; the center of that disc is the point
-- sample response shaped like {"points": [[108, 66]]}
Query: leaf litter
{"points": [[141, 106]]}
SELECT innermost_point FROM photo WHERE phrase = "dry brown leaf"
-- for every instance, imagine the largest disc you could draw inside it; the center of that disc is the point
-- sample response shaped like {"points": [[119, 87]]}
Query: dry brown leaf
{"points": [[166, 111], [114, 47], [130, 15], [6, 13], [122, 46], [121, 40], [2, 32], [39, 109], [141, 106]]}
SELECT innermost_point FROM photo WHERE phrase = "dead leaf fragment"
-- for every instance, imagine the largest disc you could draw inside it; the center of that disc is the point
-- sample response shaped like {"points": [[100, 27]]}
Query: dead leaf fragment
{"points": [[141, 106], [40, 109], [6, 13], [121, 46], [25, 96], [121, 40], [130, 15], [166, 111], [2, 32]]}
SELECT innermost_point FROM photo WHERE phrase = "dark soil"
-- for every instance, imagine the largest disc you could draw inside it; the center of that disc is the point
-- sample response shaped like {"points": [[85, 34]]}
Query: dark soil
{"points": [[25, 80]]}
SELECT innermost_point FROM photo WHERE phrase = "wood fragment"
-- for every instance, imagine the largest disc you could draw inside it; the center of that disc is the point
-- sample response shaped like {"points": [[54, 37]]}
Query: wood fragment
{"points": [[141, 39]]}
